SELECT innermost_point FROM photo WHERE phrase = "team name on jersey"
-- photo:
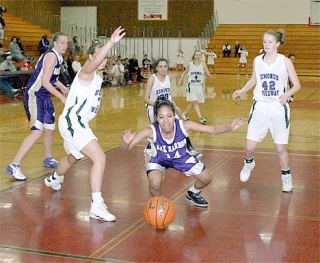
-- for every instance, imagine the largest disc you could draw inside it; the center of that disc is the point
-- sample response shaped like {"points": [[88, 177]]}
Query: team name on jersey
{"points": [[196, 73], [162, 91], [197, 78], [95, 109], [173, 147], [269, 76]]}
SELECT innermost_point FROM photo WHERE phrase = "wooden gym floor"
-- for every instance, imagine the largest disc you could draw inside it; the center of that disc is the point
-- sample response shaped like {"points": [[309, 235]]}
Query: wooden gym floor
{"points": [[245, 222]]}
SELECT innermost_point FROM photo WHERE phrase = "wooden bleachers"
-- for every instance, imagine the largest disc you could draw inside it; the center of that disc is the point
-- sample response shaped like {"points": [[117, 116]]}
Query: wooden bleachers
{"points": [[29, 33], [302, 40]]}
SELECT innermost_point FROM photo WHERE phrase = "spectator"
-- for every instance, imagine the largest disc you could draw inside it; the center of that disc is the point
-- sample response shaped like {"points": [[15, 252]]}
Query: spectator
{"points": [[14, 49], [24, 65], [117, 73], [69, 64], [76, 65], [126, 75], [2, 51], [74, 46], [243, 60], [8, 65], [2, 25], [43, 45], [226, 49], [134, 70], [237, 49], [211, 57], [203, 53], [19, 42], [64, 73], [180, 62], [146, 63], [8, 89], [107, 76]]}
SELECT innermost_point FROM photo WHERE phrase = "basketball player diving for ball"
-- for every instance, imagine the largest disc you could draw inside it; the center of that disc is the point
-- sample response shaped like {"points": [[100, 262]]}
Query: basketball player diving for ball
{"points": [[167, 139]]}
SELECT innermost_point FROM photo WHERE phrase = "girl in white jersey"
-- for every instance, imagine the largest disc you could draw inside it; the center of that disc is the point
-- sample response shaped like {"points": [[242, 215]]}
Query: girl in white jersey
{"points": [[195, 70], [270, 109], [82, 106], [211, 57], [158, 85]]}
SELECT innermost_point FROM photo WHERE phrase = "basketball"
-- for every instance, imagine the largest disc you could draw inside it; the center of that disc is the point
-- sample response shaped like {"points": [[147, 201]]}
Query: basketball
{"points": [[159, 212]]}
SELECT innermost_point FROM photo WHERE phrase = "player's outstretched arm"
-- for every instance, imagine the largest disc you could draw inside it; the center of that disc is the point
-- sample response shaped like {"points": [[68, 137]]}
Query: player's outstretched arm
{"points": [[132, 139], [193, 126]]}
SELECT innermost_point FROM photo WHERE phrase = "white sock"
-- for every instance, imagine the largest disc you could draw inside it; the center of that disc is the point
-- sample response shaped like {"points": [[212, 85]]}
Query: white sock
{"points": [[56, 176], [194, 190], [96, 197]]}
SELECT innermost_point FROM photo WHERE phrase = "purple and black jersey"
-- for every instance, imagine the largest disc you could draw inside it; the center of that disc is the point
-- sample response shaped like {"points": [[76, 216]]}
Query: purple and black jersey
{"points": [[172, 153], [34, 84], [37, 99]]}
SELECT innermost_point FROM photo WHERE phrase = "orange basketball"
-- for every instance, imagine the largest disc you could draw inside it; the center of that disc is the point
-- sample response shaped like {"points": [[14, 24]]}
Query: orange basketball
{"points": [[159, 212]]}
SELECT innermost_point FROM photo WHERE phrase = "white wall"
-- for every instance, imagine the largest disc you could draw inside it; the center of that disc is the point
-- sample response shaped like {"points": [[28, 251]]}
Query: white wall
{"points": [[129, 46], [81, 21], [263, 11]]}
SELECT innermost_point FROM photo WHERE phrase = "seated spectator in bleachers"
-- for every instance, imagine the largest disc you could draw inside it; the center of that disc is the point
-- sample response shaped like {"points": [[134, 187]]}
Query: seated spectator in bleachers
{"points": [[14, 49], [8, 65], [8, 89], [24, 65], [134, 69], [126, 76], [226, 49], [76, 65], [117, 73], [43, 45], [19, 42], [64, 74], [237, 49], [146, 63], [74, 46], [2, 51], [69, 64]]}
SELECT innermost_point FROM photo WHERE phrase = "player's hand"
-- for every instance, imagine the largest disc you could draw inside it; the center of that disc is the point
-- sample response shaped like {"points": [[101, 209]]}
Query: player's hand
{"points": [[237, 94], [128, 136], [117, 35], [63, 99], [65, 91], [283, 99], [237, 123]]}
